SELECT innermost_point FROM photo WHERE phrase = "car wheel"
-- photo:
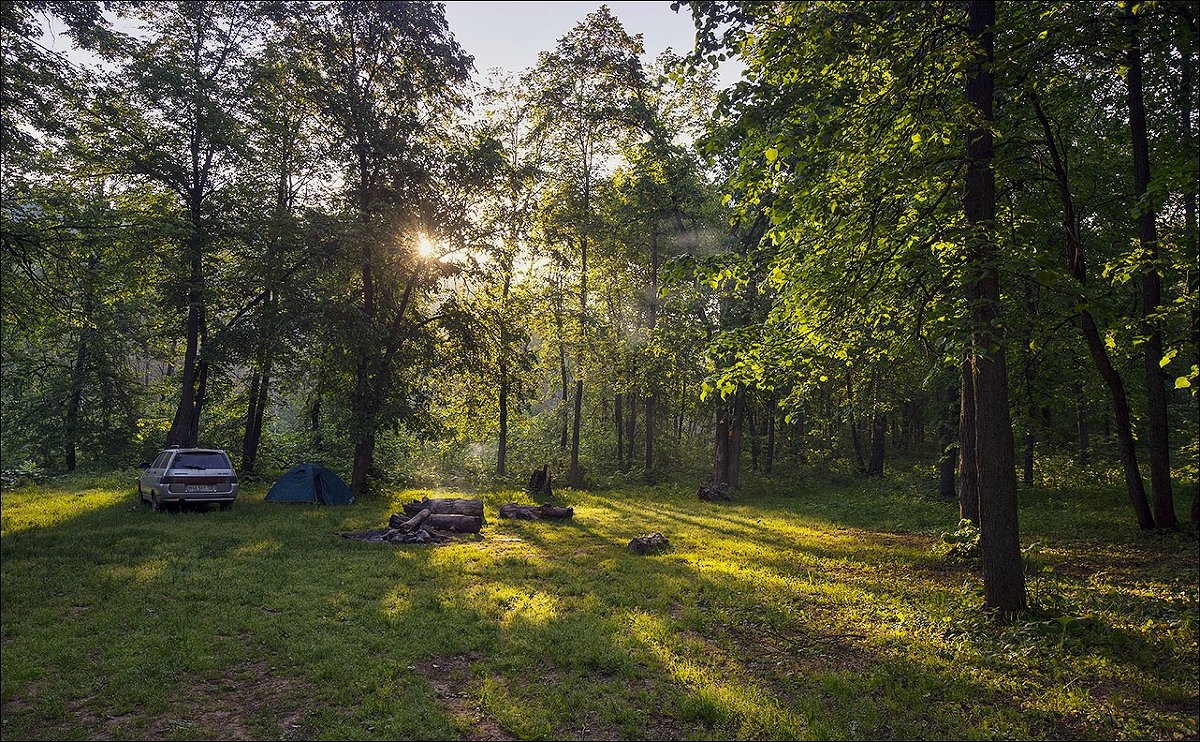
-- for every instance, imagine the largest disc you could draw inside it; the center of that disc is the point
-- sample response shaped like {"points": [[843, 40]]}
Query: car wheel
{"points": [[155, 505], [141, 495]]}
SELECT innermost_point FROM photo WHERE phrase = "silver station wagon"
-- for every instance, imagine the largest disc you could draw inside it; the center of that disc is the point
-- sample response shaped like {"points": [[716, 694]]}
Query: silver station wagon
{"points": [[183, 476]]}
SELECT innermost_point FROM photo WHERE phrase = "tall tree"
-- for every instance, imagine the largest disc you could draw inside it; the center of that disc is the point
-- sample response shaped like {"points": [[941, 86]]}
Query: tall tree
{"points": [[178, 96], [388, 77], [583, 88], [1003, 573], [1156, 392]]}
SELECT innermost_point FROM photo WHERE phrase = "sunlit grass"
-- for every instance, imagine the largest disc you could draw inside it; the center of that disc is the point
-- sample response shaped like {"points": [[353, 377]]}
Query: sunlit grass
{"points": [[814, 608], [25, 509]]}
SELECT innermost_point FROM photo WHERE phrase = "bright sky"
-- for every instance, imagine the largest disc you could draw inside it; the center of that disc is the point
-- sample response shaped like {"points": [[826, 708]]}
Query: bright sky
{"points": [[509, 35]]}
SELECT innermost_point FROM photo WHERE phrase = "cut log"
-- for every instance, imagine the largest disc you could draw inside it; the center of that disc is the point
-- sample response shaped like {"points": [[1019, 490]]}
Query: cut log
{"points": [[453, 522], [446, 505], [652, 544], [397, 521], [535, 512], [539, 482], [714, 492]]}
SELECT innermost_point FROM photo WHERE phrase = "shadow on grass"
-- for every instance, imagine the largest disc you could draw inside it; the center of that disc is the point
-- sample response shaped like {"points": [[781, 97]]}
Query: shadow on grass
{"points": [[777, 626]]}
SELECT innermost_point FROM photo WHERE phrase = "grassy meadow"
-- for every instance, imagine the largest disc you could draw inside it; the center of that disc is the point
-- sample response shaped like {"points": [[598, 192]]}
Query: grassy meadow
{"points": [[821, 606]]}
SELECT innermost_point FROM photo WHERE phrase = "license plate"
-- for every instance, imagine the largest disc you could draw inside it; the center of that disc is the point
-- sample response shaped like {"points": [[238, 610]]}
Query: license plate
{"points": [[200, 488]]}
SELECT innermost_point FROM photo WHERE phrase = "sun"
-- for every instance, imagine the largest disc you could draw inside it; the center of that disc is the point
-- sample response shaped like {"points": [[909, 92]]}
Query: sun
{"points": [[426, 247]]}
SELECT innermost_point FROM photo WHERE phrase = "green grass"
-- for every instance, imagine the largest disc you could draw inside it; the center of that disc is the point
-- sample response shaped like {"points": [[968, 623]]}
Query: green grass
{"points": [[818, 607]]}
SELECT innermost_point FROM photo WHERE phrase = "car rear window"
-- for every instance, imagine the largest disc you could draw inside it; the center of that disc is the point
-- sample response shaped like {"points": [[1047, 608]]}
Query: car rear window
{"points": [[214, 460]]}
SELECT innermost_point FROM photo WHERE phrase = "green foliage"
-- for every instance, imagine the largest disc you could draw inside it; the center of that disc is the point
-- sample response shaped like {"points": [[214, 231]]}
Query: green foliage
{"points": [[962, 544]]}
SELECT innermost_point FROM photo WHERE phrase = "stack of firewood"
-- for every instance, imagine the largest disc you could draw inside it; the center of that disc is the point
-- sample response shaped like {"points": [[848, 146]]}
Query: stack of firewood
{"points": [[428, 521]]}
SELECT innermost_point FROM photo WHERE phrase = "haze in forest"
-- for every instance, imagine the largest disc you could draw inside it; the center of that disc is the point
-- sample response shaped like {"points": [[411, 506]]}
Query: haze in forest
{"points": [[857, 397]]}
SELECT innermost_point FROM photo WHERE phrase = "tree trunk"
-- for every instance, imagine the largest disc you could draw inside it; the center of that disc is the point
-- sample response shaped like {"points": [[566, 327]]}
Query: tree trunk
{"points": [[184, 426], [858, 457], [734, 466], [502, 445], [754, 436], [314, 420], [649, 436], [799, 443], [574, 474], [1191, 229], [618, 418], [1027, 468], [75, 401], [364, 459], [251, 410], [631, 430], [201, 390], [363, 405], [1076, 265], [1081, 425], [1000, 546], [505, 382], [770, 462], [1158, 439], [946, 461], [1028, 375], [968, 474], [562, 365], [721, 447], [878, 430], [652, 321], [679, 417]]}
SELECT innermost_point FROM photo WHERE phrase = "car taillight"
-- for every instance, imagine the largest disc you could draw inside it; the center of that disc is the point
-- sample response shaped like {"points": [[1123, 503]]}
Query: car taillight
{"points": [[233, 480]]}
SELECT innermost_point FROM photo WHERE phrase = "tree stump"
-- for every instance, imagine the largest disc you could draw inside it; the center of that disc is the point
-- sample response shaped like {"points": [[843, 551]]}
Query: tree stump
{"points": [[535, 512], [714, 492], [539, 482], [655, 543]]}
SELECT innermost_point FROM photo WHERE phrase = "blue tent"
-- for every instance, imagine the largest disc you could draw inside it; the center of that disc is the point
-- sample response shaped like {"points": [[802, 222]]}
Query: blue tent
{"points": [[310, 483]]}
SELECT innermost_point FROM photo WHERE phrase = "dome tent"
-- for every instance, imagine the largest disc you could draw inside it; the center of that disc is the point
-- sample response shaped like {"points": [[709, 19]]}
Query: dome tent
{"points": [[310, 483]]}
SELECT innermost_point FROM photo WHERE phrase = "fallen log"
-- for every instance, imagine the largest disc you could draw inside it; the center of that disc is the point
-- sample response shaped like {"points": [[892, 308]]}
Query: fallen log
{"points": [[411, 524], [714, 492], [652, 544], [446, 506], [441, 522], [535, 512]]}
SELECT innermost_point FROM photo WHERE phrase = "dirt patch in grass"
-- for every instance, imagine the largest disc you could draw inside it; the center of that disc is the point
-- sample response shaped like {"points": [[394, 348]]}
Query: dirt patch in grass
{"points": [[457, 689], [241, 703]]}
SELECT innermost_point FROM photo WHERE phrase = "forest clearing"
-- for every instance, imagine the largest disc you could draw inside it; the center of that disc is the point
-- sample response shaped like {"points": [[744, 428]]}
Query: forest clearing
{"points": [[814, 608], [850, 352]]}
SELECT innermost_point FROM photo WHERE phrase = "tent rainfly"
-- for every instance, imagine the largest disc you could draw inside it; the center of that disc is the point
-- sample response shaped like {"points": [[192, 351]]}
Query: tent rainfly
{"points": [[310, 483]]}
